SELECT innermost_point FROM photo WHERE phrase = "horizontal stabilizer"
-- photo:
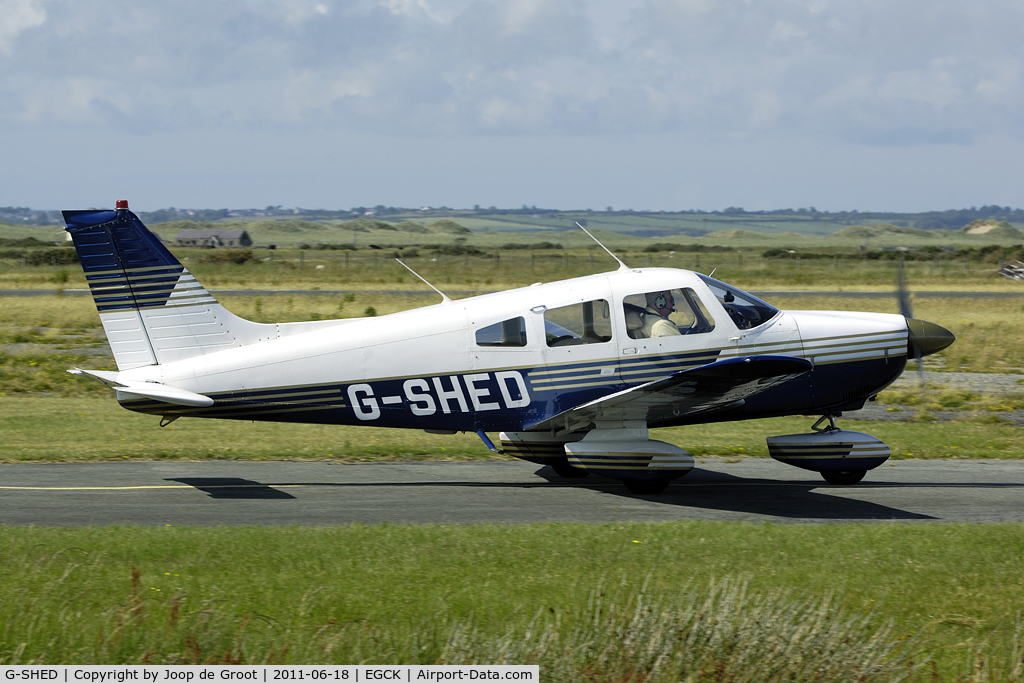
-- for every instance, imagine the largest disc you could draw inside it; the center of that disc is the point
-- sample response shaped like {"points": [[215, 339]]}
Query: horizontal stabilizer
{"points": [[127, 391]]}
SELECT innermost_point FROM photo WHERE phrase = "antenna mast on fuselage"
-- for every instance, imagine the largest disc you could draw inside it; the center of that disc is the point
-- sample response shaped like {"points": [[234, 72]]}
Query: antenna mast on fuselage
{"points": [[622, 266], [443, 295]]}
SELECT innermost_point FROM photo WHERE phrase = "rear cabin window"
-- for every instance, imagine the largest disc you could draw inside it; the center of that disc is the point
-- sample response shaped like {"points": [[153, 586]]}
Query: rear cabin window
{"points": [[585, 323], [666, 313], [511, 332]]}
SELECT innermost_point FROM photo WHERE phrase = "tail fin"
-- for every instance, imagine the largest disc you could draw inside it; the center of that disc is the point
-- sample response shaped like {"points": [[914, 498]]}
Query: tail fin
{"points": [[153, 311]]}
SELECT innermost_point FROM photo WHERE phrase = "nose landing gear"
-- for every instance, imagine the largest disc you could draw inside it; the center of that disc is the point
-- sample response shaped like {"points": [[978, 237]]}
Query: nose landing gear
{"points": [[842, 458]]}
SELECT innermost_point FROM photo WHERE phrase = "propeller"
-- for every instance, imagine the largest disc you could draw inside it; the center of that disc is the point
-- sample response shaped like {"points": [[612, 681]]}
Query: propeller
{"points": [[923, 338], [907, 311]]}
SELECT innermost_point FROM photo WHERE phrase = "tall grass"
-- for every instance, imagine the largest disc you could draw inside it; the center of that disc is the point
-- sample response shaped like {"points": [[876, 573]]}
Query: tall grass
{"points": [[612, 602], [719, 631]]}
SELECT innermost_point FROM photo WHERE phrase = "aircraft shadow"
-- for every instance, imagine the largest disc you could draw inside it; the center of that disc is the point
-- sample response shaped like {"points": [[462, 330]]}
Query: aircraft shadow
{"points": [[729, 493], [701, 489], [234, 488]]}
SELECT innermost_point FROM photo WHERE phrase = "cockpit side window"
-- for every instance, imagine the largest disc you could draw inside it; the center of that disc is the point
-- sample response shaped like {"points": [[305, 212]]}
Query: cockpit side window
{"points": [[576, 324], [746, 310], [511, 332], [666, 313]]}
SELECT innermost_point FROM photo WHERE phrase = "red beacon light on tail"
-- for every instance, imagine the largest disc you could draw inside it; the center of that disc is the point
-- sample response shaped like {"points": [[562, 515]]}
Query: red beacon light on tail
{"points": [[122, 203]]}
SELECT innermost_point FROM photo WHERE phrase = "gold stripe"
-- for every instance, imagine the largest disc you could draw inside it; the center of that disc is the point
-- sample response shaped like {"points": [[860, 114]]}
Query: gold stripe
{"points": [[572, 386], [555, 371], [285, 394], [203, 412], [548, 380]]}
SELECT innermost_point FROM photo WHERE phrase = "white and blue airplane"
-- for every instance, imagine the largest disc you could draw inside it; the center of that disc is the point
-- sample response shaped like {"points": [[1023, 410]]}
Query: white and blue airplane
{"points": [[571, 374]]}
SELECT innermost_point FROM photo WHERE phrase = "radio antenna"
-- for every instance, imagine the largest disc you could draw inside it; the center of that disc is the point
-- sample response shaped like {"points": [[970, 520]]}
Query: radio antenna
{"points": [[622, 266], [443, 295]]}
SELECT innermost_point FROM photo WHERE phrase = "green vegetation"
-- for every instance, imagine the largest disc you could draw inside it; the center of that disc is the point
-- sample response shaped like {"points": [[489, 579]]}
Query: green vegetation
{"points": [[90, 428], [461, 265], [587, 602]]}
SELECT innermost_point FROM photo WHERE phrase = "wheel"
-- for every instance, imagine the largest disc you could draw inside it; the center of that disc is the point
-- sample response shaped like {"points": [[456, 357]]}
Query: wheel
{"points": [[645, 486], [844, 477], [563, 469]]}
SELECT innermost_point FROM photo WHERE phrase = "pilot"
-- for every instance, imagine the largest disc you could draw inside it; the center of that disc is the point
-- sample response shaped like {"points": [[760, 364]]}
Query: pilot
{"points": [[656, 322]]}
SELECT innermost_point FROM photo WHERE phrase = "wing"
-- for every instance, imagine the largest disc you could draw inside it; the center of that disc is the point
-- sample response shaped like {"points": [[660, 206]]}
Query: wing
{"points": [[709, 388]]}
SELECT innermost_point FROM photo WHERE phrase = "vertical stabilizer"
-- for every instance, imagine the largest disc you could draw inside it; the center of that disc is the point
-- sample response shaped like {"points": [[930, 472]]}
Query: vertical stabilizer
{"points": [[153, 311]]}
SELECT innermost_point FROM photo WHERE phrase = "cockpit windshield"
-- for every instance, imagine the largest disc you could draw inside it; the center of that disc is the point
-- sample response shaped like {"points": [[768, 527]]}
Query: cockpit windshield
{"points": [[746, 310]]}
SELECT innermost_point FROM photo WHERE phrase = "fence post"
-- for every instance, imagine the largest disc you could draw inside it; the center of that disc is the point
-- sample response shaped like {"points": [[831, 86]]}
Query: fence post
{"points": [[346, 259], [302, 259], [835, 263], [967, 263]]}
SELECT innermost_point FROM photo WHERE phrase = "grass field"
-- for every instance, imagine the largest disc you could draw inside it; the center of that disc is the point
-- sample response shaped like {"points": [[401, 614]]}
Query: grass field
{"points": [[54, 429], [497, 268], [590, 603]]}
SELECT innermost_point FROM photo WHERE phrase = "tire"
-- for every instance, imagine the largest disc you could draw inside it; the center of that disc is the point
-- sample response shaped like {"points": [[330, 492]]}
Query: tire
{"points": [[843, 477], [646, 486], [563, 469]]}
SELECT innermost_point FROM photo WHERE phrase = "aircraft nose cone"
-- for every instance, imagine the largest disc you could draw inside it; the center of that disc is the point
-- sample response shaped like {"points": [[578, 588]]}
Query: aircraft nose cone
{"points": [[925, 338]]}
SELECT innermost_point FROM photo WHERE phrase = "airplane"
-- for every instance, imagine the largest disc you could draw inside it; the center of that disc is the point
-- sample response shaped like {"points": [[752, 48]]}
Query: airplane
{"points": [[572, 374]]}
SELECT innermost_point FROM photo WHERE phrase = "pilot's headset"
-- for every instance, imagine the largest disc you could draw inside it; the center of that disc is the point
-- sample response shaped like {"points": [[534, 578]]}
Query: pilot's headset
{"points": [[659, 302]]}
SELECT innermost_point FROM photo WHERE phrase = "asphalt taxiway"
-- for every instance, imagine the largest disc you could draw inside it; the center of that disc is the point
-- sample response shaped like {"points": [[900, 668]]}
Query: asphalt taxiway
{"points": [[320, 493]]}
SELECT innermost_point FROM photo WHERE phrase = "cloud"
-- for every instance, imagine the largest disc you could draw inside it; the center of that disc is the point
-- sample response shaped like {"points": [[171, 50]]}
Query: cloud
{"points": [[17, 16], [874, 70]]}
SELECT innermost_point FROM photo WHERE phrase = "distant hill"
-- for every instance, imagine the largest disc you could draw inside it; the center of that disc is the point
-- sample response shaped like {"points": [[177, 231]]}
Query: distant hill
{"points": [[884, 231], [737, 234], [992, 228], [294, 232]]}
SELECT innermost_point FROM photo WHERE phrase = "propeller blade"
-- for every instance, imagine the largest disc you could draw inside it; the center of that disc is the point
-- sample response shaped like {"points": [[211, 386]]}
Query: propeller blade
{"points": [[920, 368], [902, 295]]}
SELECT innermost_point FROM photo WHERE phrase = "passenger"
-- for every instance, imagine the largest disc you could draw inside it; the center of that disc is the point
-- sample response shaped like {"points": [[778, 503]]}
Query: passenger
{"points": [[656, 323]]}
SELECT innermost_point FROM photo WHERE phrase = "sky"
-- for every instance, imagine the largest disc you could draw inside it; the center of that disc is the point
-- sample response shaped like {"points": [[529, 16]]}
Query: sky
{"points": [[870, 105]]}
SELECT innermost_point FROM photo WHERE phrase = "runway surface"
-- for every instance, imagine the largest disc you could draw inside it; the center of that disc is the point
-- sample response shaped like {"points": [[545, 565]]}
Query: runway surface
{"points": [[316, 493]]}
